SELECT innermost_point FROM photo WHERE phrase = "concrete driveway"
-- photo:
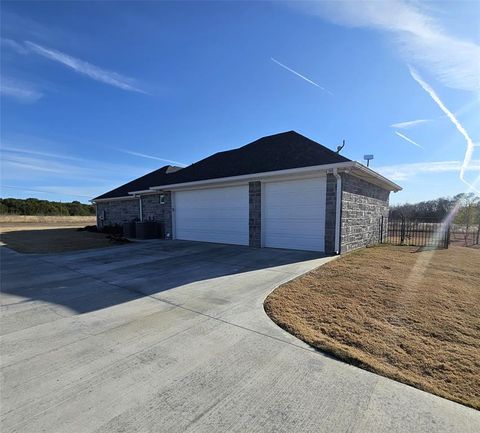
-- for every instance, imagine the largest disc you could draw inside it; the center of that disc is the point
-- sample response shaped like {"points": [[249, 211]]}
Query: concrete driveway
{"points": [[172, 336]]}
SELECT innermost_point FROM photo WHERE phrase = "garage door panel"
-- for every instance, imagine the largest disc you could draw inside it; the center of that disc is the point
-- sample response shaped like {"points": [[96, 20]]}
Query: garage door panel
{"points": [[294, 214], [213, 215]]}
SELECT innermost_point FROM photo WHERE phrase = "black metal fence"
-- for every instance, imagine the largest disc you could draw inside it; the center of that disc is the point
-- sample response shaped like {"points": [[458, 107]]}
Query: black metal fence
{"points": [[415, 232], [464, 235]]}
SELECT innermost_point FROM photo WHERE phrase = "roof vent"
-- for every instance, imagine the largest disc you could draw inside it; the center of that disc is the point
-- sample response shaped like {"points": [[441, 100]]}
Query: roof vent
{"points": [[172, 169]]}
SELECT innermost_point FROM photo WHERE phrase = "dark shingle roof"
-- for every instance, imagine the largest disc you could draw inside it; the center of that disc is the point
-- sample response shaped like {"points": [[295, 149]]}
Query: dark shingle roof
{"points": [[275, 152], [150, 179]]}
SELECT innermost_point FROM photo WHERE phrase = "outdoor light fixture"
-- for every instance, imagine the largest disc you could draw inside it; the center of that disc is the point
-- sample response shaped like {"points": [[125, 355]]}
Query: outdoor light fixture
{"points": [[367, 158], [162, 198]]}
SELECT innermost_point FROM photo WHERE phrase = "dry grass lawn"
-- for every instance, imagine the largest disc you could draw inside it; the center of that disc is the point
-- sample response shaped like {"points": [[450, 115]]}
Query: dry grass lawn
{"points": [[411, 316], [47, 219], [50, 237]]}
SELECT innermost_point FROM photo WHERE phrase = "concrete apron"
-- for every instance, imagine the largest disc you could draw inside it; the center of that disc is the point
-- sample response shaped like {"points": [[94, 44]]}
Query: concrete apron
{"points": [[172, 336]]}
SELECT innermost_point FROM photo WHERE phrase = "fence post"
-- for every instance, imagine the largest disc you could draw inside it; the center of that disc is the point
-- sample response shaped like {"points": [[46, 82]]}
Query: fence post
{"points": [[447, 237], [402, 231]]}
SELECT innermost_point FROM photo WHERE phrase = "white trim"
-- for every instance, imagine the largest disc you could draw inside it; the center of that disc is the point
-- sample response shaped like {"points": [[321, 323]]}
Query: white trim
{"points": [[278, 173], [126, 197], [294, 177], [255, 176], [140, 208], [143, 192], [262, 214], [381, 180], [373, 177]]}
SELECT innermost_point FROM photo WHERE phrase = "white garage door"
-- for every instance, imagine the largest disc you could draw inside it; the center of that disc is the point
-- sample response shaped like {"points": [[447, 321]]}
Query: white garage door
{"points": [[294, 214], [212, 215]]}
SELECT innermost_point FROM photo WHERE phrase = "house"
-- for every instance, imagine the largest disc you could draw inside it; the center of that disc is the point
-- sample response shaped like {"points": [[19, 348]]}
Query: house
{"points": [[280, 191]]}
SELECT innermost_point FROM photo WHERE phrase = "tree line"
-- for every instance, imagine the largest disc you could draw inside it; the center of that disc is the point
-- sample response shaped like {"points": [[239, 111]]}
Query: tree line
{"points": [[34, 206], [464, 209]]}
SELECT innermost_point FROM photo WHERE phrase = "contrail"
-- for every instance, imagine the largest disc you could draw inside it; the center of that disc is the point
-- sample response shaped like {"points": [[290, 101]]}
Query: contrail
{"points": [[470, 146], [85, 68], [300, 75], [409, 140], [143, 155], [409, 124]]}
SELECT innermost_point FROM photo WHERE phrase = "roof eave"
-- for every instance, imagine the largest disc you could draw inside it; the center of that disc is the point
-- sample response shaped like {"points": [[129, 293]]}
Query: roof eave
{"points": [[373, 177], [143, 192], [378, 178], [125, 197], [252, 176]]}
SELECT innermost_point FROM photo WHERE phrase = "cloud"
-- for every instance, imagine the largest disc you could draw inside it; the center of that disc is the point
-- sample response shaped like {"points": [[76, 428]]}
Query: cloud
{"points": [[19, 26], [300, 75], [13, 45], [408, 139], [74, 191], [401, 172], [19, 90], [409, 124], [38, 153], [421, 38], [470, 145], [63, 191], [33, 165], [143, 155], [85, 68]]}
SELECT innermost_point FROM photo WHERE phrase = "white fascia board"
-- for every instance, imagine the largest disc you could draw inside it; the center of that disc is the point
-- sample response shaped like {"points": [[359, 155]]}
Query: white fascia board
{"points": [[143, 192], [256, 176], [315, 169], [125, 197], [377, 178]]}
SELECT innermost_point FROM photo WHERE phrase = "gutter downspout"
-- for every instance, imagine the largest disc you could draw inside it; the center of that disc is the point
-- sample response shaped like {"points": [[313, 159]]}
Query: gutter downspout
{"points": [[96, 213], [140, 208], [338, 208]]}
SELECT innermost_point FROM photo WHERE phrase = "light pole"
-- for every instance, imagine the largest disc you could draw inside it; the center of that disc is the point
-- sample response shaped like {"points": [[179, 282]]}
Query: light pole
{"points": [[368, 158]]}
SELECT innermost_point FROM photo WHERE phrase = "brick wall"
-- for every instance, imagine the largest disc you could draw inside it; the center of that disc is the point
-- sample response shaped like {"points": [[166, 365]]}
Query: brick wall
{"points": [[363, 204], [117, 212], [255, 214], [153, 210]]}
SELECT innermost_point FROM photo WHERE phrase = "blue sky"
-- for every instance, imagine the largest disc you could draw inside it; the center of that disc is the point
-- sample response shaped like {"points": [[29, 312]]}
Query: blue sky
{"points": [[95, 94]]}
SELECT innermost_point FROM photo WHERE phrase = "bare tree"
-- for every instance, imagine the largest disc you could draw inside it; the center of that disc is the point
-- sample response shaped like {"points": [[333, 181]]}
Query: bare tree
{"points": [[468, 214]]}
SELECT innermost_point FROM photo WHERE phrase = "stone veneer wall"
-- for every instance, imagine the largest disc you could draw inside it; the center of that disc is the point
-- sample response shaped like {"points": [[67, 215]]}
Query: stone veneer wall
{"points": [[330, 213], [153, 210], [117, 212], [255, 214], [363, 205]]}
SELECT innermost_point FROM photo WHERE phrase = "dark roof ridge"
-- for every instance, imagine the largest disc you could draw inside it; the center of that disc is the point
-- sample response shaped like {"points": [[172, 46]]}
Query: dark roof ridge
{"points": [[281, 151]]}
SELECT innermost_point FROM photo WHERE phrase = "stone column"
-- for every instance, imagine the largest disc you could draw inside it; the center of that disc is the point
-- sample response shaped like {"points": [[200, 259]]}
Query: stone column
{"points": [[330, 213], [255, 214]]}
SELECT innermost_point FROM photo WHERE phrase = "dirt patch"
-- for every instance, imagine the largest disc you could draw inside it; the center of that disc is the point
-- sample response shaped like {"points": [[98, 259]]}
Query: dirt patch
{"points": [[410, 315], [51, 237]]}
